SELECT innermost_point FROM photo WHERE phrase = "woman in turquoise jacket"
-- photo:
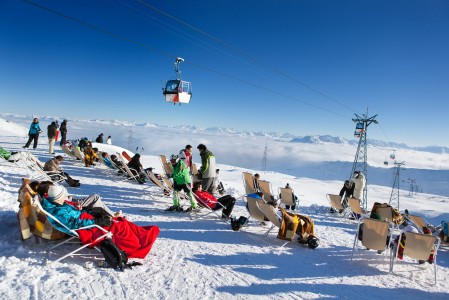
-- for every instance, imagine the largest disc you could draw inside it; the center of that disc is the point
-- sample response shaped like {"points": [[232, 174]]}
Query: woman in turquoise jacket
{"points": [[33, 133]]}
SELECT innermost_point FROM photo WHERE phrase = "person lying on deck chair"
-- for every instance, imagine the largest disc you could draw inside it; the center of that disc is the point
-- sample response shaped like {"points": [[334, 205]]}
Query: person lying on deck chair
{"points": [[13, 156], [53, 166], [135, 240], [207, 199]]}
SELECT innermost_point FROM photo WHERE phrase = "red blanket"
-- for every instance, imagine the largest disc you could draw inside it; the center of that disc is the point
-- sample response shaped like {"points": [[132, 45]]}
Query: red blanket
{"points": [[135, 240]]}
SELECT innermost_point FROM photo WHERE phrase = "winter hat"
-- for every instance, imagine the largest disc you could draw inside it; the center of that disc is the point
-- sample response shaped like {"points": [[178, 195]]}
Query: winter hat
{"points": [[57, 194], [201, 147]]}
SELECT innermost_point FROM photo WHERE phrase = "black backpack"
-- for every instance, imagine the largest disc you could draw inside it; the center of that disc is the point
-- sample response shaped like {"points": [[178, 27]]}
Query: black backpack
{"points": [[115, 257], [236, 224]]}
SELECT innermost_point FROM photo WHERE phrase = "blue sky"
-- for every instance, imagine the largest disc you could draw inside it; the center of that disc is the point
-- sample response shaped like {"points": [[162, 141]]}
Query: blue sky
{"points": [[303, 67]]}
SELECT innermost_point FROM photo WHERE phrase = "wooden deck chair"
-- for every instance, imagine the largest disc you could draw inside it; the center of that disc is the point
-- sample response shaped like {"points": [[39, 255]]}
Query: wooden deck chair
{"points": [[248, 183], [166, 166], [335, 202], [255, 214], [78, 154], [270, 214], [152, 178], [265, 188], [375, 235], [418, 246], [36, 165], [354, 205], [195, 172], [67, 151], [287, 197], [128, 170], [33, 219]]}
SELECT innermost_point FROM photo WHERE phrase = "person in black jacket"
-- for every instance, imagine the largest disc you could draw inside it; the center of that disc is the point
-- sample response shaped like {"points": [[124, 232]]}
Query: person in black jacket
{"points": [[99, 138], [63, 130], [51, 133], [347, 191]]}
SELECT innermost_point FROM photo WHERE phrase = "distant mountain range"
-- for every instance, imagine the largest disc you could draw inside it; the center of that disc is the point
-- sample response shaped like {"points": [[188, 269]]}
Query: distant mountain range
{"points": [[286, 137]]}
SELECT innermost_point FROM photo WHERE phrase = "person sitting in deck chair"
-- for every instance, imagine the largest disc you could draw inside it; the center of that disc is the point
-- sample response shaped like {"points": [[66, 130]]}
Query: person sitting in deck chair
{"points": [[206, 199], [135, 240], [53, 166], [117, 163], [305, 229], [137, 168], [294, 198], [89, 155]]}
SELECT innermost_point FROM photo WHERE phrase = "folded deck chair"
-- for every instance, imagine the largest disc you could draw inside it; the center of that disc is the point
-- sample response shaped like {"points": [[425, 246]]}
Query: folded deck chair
{"points": [[128, 170], [418, 246], [255, 214], [335, 202], [67, 151], [248, 183], [195, 173], [287, 197], [375, 235], [166, 166], [78, 154]]}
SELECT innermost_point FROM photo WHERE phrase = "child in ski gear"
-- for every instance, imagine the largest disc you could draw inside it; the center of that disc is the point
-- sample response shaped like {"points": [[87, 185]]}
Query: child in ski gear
{"points": [[51, 133], [181, 181], [226, 202], [207, 172], [52, 166], [33, 133]]}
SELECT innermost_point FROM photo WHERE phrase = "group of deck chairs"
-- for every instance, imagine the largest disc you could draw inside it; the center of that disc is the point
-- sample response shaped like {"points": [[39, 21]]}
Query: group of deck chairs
{"points": [[261, 211], [387, 231]]}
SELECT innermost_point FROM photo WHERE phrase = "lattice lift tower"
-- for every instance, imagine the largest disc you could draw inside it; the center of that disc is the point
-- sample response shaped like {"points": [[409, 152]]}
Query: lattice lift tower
{"points": [[360, 164], [394, 197]]}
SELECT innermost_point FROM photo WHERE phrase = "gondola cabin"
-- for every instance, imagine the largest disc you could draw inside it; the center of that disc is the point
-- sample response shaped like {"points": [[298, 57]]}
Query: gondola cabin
{"points": [[386, 162], [359, 127], [177, 91], [392, 156]]}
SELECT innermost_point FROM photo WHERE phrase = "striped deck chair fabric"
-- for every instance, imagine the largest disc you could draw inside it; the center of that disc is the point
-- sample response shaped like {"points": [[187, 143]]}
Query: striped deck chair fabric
{"points": [[31, 219]]}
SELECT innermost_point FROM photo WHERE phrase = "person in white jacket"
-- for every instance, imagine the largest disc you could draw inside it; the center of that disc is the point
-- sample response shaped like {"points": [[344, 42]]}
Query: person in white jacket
{"points": [[359, 182]]}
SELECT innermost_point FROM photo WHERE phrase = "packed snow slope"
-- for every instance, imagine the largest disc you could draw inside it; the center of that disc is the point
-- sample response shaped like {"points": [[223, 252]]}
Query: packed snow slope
{"points": [[202, 258]]}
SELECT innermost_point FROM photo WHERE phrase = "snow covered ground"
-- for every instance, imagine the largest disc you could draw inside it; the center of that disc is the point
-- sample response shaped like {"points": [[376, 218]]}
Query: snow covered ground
{"points": [[204, 258]]}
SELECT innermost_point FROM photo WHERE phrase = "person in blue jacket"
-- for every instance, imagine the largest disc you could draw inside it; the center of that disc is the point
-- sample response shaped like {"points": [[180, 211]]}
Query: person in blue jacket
{"points": [[33, 133]]}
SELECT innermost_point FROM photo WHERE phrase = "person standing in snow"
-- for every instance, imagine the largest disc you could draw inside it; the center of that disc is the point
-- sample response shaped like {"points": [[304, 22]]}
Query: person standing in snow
{"points": [[109, 141], [63, 130], [33, 134], [207, 172], [51, 133], [186, 155], [181, 181], [359, 184], [99, 138]]}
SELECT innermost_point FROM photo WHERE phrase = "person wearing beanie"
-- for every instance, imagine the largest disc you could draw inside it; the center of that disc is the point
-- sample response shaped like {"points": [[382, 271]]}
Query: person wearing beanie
{"points": [[207, 172]]}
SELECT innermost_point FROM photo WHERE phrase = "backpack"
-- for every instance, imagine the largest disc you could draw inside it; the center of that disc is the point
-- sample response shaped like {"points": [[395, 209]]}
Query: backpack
{"points": [[236, 224], [115, 257]]}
